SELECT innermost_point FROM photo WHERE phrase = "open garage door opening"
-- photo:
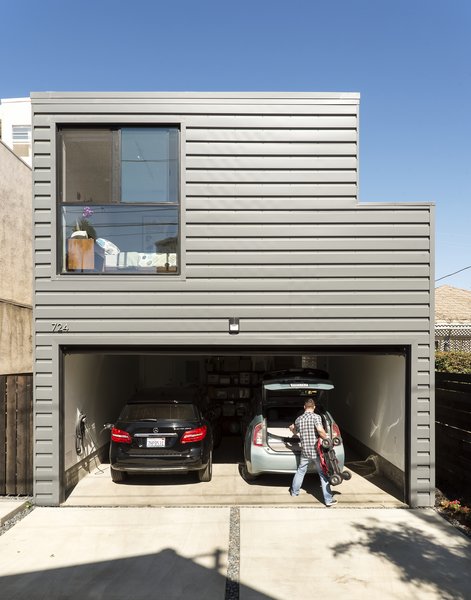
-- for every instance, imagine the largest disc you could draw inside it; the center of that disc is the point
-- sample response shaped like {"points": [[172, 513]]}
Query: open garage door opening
{"points": [[368, 402]]}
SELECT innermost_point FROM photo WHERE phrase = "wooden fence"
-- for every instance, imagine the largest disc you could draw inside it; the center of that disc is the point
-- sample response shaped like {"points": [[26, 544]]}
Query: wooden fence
{"points": [[16, 435], [453, 433]]}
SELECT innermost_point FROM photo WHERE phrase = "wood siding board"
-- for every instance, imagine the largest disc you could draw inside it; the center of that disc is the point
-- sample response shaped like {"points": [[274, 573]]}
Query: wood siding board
{"points": [[315, 149], [281, 119], [346, 324], [262, 189], [343, 219], [311, 244], [263, 258], [44, 132], [303, 271], [42, 203], [43, 393], [42, 147], [42, 188], [252, 311], [42, 216], [267, 176], [51, 300], [263, 203], [200, 107], [42, 176], [300, 230], [270, 164], [143, 284], [259, 135]]}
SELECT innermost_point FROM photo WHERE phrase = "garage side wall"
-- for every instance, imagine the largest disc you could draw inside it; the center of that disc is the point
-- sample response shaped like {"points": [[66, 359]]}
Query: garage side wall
{"points": [[89, 379], [272, 234]]}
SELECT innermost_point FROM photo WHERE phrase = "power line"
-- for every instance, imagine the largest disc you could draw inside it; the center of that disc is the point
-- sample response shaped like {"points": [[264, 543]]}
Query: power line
{"points": [[450, 274]]}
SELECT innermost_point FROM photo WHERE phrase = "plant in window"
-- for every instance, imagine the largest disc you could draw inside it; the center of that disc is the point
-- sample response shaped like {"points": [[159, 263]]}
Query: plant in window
{"points": [[84, 224]]}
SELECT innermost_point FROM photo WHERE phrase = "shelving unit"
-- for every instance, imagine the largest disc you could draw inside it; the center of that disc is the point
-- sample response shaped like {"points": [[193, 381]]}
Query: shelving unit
{"points": [[231, 385]]}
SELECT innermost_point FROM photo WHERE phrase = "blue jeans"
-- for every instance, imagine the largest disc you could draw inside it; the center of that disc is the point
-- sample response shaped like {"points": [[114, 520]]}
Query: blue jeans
{"points": [[301, 472]]}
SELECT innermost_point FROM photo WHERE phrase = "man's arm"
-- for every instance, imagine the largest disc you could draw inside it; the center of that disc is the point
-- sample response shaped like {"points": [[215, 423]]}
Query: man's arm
{"points": [[321, 431]]}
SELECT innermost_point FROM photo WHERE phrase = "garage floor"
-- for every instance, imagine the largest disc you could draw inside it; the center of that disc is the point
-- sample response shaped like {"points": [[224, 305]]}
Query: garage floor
{"points": [[365, 489]]}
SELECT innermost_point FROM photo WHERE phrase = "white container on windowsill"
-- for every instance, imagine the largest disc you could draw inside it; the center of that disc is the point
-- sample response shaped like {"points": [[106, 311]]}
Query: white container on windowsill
{"points": [[82, 235]]}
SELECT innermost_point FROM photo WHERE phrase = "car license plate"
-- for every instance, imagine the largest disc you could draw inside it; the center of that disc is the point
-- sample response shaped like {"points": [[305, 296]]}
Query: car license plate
{"points": [[156, 442]]}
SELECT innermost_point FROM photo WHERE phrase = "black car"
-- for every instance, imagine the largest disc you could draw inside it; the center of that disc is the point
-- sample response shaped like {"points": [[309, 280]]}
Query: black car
{"points": [[161, 431]]}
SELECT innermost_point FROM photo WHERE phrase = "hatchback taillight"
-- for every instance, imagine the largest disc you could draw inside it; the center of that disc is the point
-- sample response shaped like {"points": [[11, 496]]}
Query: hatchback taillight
{"points": [[335, 430], [257, 439], [120, 436], [194, 435]]}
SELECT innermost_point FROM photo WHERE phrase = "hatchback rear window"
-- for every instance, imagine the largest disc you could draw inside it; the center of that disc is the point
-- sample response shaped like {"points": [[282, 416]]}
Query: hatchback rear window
{"points": [[284, 414], [159, 411]]}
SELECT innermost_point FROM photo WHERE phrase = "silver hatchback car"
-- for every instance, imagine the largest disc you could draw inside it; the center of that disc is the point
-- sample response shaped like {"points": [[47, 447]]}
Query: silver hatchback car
{"points": [[269, 445]]}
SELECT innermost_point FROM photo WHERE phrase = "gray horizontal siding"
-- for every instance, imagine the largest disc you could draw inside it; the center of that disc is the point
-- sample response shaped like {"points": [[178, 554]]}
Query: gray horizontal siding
{"points": [[331, 299], [273, 234]]}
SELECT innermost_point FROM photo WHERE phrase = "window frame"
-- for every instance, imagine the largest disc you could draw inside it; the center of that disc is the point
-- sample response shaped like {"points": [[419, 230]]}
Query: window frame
{"points": [[96, 122]]}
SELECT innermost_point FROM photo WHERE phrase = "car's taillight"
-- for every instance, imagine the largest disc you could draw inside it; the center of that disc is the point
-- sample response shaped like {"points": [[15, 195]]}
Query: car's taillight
{"points": [[120, 436], [335, 430], [258, 435], [194, 435]]}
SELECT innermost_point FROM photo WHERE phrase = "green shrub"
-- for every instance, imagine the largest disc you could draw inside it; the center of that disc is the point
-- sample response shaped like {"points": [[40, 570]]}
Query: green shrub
{"points": [[453, 361]]}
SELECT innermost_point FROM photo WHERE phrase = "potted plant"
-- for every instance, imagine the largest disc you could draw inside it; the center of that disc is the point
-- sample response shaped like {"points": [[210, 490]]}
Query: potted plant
{"points": [[83, 228]]}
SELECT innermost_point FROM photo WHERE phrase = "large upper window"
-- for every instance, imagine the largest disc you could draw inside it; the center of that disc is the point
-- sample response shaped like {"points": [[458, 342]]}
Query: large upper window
{"points": [[119, 196]]}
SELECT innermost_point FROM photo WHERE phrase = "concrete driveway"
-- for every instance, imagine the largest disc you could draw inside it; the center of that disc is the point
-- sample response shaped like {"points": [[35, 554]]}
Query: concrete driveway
{"points": [[251, 553]]}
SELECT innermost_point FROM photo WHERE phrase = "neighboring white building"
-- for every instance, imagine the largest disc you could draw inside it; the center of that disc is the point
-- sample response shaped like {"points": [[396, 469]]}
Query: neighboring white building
{"points": [[15, 126]]}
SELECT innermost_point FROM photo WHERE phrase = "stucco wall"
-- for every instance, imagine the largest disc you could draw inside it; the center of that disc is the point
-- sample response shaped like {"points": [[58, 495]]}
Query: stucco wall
{"points": [[16, 287]]}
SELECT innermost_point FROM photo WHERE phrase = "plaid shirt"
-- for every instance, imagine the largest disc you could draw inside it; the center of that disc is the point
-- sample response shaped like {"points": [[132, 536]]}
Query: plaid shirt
{"points": [[306, 427]]}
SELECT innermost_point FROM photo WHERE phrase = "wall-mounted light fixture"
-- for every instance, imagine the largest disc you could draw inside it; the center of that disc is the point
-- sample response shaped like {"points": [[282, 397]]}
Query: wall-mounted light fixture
{"points": [[233, 325]]}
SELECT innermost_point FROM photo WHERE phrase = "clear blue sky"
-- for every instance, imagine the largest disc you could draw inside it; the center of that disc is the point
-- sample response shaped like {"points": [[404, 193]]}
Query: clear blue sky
{"points": [[409, 59]]}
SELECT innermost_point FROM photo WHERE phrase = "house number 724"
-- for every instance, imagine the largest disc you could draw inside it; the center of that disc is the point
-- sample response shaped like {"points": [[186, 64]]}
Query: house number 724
{"points": [[60, 327]]}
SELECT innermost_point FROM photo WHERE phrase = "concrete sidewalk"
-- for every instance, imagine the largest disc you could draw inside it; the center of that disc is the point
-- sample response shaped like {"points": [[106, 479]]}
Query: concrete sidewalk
{"points": [[73, 553], [10, 508]]}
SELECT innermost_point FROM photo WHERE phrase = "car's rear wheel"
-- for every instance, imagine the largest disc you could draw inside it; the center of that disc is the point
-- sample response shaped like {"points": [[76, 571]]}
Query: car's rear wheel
{"points": [[245, 473], [117, 476], [346, 475], [206, 474]]}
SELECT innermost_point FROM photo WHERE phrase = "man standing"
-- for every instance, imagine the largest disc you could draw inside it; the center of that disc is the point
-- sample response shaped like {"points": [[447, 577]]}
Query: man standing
{"points": [[309, 428]]}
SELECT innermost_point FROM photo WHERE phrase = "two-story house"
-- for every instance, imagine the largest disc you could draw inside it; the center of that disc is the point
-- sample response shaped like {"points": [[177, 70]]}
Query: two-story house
{"points": [[207, 237]]}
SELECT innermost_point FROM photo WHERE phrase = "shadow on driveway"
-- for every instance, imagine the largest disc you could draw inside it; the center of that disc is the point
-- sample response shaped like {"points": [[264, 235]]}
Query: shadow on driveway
{"points": [[165, 575], [420, 554]]}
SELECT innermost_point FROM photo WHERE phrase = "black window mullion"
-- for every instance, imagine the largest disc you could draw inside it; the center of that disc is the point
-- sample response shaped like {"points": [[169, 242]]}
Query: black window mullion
{"points": [[116, 167]]}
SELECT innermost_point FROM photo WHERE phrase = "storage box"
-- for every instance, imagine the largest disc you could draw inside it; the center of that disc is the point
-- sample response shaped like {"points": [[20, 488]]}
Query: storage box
{"points": [[80, 254]]}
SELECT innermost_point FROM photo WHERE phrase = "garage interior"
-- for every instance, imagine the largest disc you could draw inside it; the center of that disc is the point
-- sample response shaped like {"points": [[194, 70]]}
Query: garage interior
{"points": [[369, 402]]}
